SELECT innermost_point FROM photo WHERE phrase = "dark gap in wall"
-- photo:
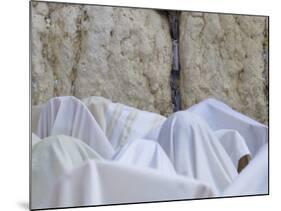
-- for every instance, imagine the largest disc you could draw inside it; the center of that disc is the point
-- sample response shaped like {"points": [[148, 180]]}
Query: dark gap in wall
{"points": [[265, 58], [175, 70]]}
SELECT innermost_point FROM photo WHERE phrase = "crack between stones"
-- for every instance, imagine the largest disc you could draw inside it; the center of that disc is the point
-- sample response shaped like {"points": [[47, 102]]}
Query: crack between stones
{"points": [[47, 50], [266, 57], [78, 44], [175, 69]]}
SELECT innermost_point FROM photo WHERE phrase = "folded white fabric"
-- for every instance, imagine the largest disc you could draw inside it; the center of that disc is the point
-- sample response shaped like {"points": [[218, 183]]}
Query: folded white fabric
{"points": [[103, 182], [195, 150], [121, 123], [67, 172], [94, 152], [220, 116], [234, 144], [69, 116], [253, 179], [145, 153], [52, 158]]}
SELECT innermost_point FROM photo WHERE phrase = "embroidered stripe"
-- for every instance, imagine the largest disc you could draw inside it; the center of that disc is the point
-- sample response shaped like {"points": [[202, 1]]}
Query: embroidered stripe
{"points": [[115, 116], [127, 128]]}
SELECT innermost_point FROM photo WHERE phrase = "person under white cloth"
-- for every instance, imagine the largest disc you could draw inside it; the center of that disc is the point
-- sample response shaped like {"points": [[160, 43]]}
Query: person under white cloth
{"points": [[182, 149]]}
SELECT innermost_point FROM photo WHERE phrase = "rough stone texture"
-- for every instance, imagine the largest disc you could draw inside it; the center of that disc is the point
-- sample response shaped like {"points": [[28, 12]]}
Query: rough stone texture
{"points": [[55, 45], [121, 54], [225, 56], [125, 55]]}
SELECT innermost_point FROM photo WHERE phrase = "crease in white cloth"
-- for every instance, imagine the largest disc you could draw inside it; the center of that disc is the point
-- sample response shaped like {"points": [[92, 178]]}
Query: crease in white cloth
{"points": [[94, 152]]}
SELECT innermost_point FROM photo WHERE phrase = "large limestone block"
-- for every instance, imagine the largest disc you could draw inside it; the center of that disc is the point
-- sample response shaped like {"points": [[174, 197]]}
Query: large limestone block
{"points": [[223, 56], [41, 79], [122, 54], [55, 41], [125, 56]]}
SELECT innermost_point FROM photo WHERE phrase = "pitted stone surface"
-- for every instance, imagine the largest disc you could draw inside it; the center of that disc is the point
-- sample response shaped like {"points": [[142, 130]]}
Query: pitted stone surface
{"points": [[121, 54], [125, 55], [222, 56]]}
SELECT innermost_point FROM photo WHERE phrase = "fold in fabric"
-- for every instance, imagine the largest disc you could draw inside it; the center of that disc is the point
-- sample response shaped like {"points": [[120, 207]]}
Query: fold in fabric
{"points": [[125, 124], [145, 153], [234, 144], [254, 178], [95, 152], [69, 116], [67, 172], [220, 116], [52, 158], [96, 183], [195, 150]]}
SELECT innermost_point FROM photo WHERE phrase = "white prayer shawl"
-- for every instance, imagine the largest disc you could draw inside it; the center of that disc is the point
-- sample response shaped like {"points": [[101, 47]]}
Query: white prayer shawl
{"points": [[224, 120], [69, 116], [203, 145], [233, 143], [145, 153], [254, 178], [220, 116], [121, 123], [96, 183], [52, 158], [195, 150], [67, 172]]}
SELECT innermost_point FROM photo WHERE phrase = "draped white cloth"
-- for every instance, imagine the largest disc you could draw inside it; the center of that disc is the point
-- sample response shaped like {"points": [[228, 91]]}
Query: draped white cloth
{"points": [[68, 116], [94, 152], [254, 178]]}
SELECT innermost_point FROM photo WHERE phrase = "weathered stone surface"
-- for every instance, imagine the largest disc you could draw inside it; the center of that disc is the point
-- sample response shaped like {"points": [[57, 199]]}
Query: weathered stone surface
{"points": [[54, 49], [121, 54], [222, 56], [125, 55]]}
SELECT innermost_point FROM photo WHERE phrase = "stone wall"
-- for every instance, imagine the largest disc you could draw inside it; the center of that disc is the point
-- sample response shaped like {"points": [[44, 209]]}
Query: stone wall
{"points": [[222, 56], [125, 55], [121, 54]]}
